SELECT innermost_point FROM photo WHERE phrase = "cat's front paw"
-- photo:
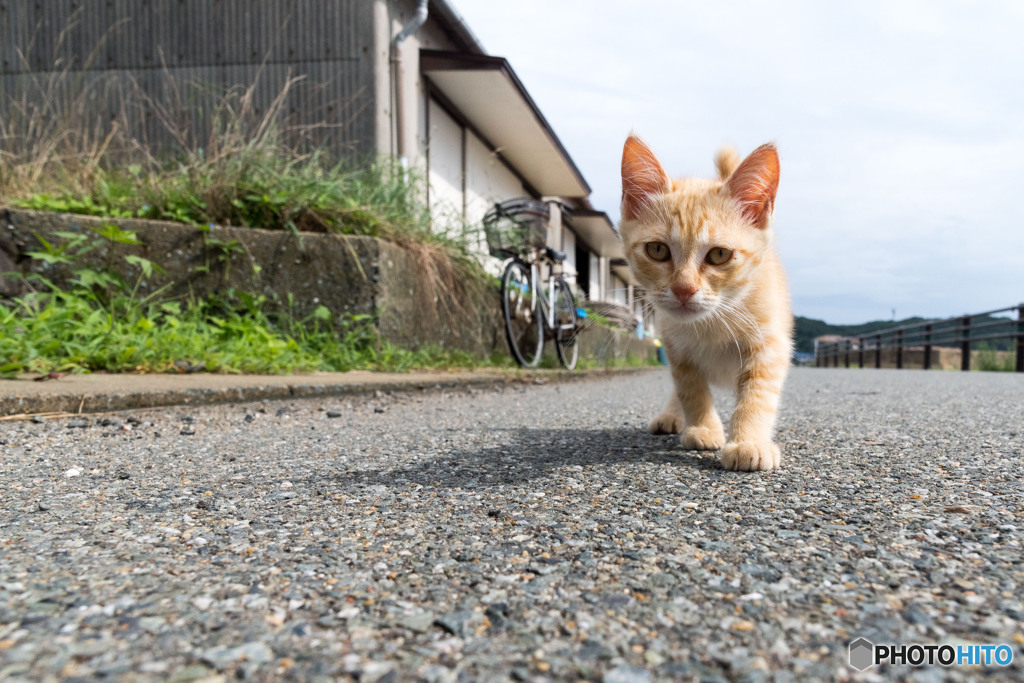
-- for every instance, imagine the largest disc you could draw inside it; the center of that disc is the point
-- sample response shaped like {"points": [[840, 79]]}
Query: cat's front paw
{"points": [[750, 456], [667, 423], [703, 438]]}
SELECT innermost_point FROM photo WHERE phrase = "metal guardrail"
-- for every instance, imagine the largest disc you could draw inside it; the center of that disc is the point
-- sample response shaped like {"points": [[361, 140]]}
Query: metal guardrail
{"points": [[960, 332]]}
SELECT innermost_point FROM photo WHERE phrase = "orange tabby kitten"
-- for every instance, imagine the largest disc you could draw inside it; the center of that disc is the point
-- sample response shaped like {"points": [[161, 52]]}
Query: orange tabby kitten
{"points": [[702, 249]]}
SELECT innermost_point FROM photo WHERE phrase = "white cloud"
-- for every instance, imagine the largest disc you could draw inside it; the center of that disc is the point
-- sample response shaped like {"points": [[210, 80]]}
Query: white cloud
{"points": [[899, 127]]}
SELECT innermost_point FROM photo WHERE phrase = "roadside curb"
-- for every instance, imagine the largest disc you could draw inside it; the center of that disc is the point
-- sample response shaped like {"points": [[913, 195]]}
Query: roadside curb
{"points": [[100, 393]]}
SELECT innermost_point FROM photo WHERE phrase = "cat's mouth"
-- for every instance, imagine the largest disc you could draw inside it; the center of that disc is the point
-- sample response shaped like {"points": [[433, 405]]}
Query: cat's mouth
{"points": [[691, 311]]}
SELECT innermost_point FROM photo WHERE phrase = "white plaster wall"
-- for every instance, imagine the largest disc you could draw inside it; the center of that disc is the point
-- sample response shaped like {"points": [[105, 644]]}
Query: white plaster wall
{"points": [[554, 238], [569, 247], [382, 78], [487, 180], [445, 163], [617, 292], [389, 18]]}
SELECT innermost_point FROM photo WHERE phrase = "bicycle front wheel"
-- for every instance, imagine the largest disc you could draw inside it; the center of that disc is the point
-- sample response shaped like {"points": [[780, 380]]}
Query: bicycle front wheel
{"points": [[524, 328], [566, 325]]}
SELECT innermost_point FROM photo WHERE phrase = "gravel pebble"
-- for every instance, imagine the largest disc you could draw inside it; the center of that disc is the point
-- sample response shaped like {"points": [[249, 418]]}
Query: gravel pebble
{"points": [[534, 532]]}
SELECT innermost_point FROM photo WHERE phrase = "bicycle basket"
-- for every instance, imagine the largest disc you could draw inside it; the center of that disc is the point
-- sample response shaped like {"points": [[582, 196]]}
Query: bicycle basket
{"points": [[515, 226]]}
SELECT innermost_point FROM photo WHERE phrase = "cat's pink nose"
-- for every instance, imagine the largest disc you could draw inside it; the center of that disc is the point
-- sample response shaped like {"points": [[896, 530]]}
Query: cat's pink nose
{"points": [[684, 292]]}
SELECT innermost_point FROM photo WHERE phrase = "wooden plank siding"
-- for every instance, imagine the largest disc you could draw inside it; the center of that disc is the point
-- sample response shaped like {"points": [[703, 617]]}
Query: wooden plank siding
{"points": [[126, 54]]}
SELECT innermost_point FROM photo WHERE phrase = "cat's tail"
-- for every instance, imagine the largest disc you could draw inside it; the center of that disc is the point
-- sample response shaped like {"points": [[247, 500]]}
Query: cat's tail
{"points": [[726, 161]]}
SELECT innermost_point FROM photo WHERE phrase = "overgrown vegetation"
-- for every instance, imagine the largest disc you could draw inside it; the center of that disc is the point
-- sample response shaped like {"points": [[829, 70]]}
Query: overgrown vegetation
{"points": [[101, 322], [69, 332], [991, 359], [245, 166]]}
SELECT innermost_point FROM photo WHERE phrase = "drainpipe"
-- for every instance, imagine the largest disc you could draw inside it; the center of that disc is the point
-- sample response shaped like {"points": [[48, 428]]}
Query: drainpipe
{"points": [[396, 59]]}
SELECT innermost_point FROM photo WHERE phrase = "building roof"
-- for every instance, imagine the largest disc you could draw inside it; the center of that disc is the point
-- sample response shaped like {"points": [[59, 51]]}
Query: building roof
{"points": [[620, 267], [496, 106], [488, 93], [597, 231], [455, 27]]}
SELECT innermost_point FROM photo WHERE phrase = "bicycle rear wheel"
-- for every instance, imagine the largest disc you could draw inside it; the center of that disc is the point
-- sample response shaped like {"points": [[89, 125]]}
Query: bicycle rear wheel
{"points": [[566, 325], [524, 328]]}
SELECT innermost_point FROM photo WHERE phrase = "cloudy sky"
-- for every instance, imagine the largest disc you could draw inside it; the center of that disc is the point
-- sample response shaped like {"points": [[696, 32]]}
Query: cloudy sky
{"points": [[900, 127]]}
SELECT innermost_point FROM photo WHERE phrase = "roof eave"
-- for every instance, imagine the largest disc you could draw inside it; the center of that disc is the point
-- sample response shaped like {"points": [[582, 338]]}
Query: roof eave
{"points": [[440, 62]]}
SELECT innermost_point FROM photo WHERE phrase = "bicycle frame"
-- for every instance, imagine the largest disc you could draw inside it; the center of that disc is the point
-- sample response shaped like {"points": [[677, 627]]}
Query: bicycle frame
{"points": [[551, 309], [547, 307]]}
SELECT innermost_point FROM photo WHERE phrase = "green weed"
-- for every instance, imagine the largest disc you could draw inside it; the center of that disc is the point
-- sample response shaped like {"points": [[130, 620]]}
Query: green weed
{"points": [[72, 332], [991, 360], [100, 323]]}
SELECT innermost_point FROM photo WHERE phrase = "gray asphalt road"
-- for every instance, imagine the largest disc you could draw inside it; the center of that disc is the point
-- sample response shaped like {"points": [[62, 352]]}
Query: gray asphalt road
{"points": [[524, 533]]}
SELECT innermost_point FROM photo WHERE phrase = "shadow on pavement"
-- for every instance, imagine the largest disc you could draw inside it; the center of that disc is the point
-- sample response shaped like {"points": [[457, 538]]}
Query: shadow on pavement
{"points": [[534, 454]]}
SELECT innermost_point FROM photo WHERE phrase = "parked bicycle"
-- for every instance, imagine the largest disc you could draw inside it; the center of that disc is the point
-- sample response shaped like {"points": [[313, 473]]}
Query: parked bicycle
{"points": [[533, 311]]}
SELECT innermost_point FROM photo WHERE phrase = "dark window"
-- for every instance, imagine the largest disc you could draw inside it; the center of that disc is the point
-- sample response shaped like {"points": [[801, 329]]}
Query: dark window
{"points": [[583, 267]]}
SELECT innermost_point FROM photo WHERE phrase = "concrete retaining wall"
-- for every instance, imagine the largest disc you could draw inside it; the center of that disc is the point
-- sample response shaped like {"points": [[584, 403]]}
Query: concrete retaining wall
{"points": [[347, 274]]}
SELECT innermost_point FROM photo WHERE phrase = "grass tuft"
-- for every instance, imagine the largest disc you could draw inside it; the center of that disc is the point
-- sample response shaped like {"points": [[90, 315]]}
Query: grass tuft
{"points": [[248, 168], [989, 359], [73, 332]]}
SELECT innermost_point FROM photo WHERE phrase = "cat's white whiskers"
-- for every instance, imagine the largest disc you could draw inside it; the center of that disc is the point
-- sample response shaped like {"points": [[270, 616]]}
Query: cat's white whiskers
{"points": [[740, 309], [722, 314]]}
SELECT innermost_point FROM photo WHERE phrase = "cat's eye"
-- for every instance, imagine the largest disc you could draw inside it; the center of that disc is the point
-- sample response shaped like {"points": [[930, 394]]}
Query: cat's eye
{"points": [[718, 256], [658, 251]]}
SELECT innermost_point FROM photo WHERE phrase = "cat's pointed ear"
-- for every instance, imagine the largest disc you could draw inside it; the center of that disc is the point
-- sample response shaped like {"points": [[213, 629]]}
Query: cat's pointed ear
{"points": [[754, 184], [642, 177]]}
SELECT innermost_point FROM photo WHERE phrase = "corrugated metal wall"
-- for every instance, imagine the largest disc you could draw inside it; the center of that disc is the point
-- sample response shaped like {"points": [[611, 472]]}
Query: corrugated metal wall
{"points": [[130, 59]]}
